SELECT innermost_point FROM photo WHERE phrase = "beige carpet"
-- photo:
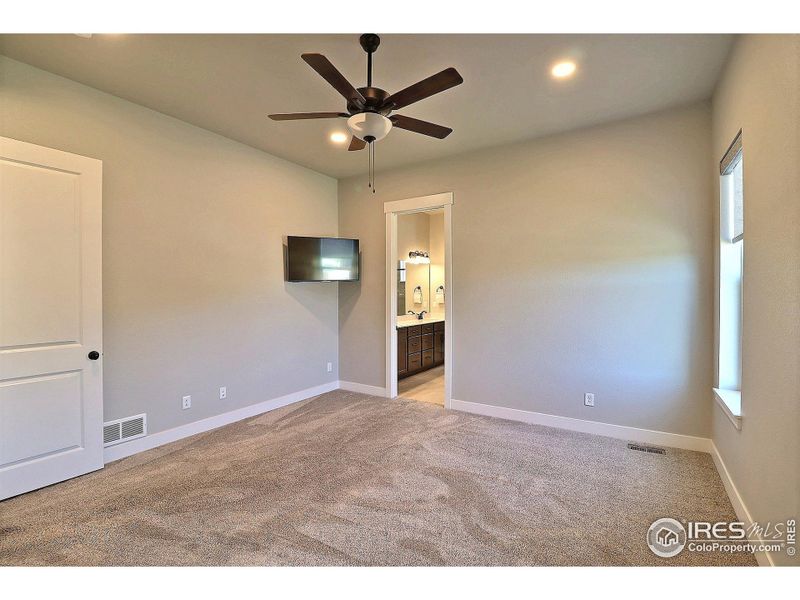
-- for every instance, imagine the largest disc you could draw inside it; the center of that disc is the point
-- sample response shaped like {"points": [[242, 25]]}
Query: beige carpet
{"points": [[349, 479]]}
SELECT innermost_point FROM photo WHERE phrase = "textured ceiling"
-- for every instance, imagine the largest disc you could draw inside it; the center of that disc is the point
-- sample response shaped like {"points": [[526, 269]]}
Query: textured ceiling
{"points": [[229, 83]]}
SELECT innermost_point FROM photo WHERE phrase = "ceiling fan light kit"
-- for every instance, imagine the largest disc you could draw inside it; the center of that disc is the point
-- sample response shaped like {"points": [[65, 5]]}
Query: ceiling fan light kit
{"points": [[369, 109], [369, 126]]}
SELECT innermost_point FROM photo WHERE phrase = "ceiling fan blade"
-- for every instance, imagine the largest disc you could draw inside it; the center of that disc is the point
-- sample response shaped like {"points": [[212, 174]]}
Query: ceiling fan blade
{"points": [[418, 126], [356, 144], [423, 89], [325, 68], [314, 115]]}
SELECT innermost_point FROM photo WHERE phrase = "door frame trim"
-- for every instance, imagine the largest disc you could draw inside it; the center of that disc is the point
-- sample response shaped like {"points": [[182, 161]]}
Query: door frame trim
{"points": [[392, 210]]}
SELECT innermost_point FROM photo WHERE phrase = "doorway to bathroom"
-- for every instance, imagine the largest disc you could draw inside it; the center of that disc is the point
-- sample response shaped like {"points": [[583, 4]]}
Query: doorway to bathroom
{"points": [[419, 320]]}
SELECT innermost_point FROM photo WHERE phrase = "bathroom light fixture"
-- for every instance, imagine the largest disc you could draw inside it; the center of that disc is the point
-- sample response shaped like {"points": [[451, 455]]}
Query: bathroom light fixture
{"points": [[419, 257], [563, 69]]}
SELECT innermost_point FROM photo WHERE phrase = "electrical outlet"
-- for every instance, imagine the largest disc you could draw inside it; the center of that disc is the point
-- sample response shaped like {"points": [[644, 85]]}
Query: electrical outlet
{"points": [[223, 393], [588, 399], [187, 402], [330, 367]]}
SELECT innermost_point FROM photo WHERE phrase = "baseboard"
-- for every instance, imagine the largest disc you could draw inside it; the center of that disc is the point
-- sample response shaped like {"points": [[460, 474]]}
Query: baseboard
{"points": [[155, 440], [764, 558], [633, 434], [361, 388]]}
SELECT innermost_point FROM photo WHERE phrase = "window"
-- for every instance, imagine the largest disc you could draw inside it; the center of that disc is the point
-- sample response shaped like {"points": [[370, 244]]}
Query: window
{"points": [[730, 276]]}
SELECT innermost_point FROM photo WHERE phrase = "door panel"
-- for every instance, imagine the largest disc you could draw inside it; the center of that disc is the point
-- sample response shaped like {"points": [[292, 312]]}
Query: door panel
{"points": [[39, 256], [51, 404], [41, 415]]}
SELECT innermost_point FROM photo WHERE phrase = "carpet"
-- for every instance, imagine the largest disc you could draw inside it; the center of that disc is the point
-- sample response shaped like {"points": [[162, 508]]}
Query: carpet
{"points": [[351, 479]]}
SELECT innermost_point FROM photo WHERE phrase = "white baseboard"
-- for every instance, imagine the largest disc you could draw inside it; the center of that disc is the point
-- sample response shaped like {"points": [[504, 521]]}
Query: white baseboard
{"points": [[155, 440], [633, 434], [361, 388], [764, 558]]}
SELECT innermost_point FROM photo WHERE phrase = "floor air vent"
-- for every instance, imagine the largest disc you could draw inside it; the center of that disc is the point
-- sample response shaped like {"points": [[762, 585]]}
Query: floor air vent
{"points": [[122, 430], [650, 449]]}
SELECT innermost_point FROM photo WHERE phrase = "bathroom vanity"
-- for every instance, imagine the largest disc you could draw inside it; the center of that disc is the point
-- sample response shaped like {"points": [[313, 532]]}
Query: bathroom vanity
{"points": [[420, 345]]}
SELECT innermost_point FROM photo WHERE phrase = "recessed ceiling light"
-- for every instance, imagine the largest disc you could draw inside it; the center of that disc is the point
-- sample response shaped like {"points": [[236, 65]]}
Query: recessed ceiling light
{"points": [[338, 138], [563, 69]]}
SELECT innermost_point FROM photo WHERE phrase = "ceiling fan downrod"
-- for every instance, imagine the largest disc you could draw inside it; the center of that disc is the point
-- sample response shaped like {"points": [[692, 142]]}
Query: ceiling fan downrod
{"points": [[370, 42]]}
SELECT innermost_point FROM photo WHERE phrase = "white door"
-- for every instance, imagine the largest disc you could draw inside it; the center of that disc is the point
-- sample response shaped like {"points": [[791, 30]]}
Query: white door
{"points": [[51, 386]]}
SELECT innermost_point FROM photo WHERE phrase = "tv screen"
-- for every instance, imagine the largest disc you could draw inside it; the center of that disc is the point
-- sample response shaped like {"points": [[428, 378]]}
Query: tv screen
{"points": [[321, 259]]}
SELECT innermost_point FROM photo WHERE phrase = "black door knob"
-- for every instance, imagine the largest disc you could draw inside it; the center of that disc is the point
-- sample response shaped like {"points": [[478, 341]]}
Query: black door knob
{"points": [[94, 355]]}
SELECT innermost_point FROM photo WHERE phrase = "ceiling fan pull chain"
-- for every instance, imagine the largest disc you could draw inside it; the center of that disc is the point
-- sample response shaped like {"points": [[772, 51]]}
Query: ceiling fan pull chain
{"points": [[372, 166]]}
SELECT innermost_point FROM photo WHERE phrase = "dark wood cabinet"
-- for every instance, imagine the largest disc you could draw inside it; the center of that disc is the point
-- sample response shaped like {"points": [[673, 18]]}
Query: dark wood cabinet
{"points": [[402, 352], [419, 347], [438, 347], [427, 341]]}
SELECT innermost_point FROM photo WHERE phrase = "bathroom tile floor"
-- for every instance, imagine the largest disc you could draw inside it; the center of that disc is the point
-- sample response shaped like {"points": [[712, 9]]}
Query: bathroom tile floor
{"points": [[427, 386]]}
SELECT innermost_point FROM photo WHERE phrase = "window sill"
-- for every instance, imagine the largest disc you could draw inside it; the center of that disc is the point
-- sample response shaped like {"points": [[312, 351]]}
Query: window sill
{"points": [[730, 401]]}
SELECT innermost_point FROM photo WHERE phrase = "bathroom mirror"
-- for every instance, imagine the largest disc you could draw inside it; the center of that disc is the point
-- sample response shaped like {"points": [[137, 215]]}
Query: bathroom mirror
{"points": [[420, 267], [413, 287], [418, 287]]}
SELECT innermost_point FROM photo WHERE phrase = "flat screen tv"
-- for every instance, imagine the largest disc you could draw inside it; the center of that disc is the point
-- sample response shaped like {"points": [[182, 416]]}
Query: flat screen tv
{"points": [[321, 259]]}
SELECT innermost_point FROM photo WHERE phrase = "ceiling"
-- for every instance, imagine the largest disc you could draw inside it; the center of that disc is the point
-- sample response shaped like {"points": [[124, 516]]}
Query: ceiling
{"points": [[229, 83]]}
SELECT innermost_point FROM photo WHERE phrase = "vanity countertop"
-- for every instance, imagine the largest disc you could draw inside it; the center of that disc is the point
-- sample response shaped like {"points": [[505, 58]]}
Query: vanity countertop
{"points": [[411, 321]]}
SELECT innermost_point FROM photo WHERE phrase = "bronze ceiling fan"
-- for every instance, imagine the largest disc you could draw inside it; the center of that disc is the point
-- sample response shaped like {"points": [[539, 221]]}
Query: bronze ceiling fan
{"points": [[369, 109]]}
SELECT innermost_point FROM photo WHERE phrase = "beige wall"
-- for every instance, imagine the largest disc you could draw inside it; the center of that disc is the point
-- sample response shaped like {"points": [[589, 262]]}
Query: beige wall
{"points": [[193, 290], [597, 245], [436, 225], [760, 94]]}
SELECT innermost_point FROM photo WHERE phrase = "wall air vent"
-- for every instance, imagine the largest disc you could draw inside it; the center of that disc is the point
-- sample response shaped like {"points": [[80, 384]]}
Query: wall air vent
{"points": [[649, 449], [122, 430]]}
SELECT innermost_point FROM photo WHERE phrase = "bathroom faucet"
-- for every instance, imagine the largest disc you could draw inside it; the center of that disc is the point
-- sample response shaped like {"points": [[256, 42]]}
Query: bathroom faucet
{"points": [[419, 315]]}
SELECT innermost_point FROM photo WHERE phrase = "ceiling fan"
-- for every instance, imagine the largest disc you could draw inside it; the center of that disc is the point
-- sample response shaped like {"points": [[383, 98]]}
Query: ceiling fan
{"points": [[369, 109]]}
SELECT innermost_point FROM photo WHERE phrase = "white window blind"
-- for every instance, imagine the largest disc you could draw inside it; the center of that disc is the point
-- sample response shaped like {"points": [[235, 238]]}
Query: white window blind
{"points": [[731, 164]]}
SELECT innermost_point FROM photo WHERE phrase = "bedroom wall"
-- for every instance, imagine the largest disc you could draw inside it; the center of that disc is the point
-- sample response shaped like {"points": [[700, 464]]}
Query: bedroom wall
{"points": [[193, 290], [597, 245], [759, 93]]}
